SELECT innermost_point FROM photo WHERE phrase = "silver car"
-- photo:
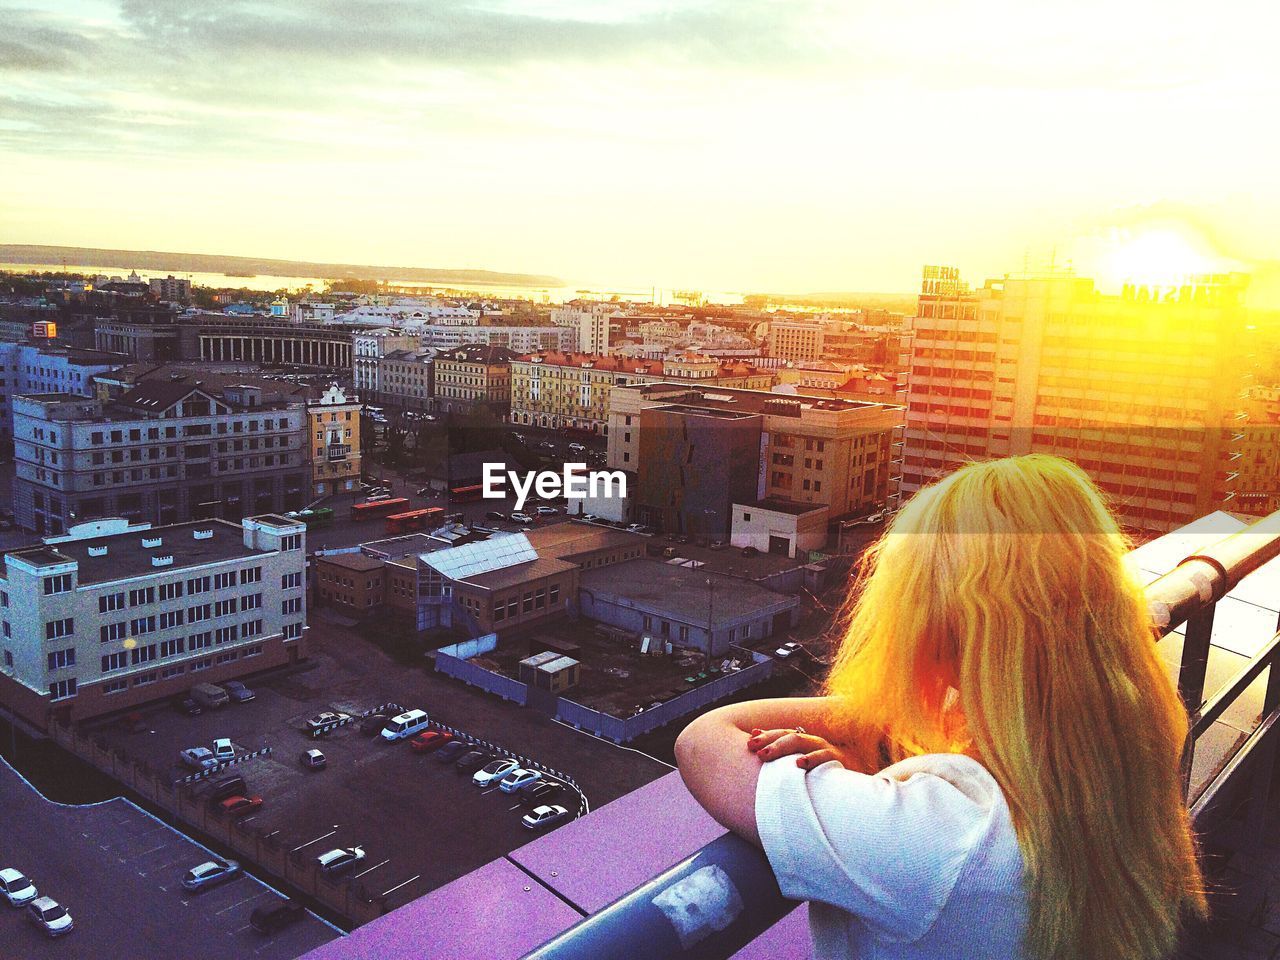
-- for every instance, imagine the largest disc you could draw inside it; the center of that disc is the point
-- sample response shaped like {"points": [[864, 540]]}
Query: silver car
{"points": [[210, 874], [339, 860], [50, 916], [199, 758], [16, 888]]}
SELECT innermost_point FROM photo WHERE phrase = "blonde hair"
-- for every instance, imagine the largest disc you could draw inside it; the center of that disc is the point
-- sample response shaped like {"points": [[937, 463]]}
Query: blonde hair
{"points": [[997, 618]]}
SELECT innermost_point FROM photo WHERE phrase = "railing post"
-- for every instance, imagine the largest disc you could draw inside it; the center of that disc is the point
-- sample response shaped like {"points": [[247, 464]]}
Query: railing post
{"points": [[1195, 658]]}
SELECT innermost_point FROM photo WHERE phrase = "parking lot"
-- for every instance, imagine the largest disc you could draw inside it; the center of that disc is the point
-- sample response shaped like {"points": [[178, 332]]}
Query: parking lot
{"points": [[421, 823], [117, 870]]}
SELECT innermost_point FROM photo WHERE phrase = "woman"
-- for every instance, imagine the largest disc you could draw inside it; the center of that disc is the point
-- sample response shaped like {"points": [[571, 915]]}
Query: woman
{"points": [[1000, 658]]}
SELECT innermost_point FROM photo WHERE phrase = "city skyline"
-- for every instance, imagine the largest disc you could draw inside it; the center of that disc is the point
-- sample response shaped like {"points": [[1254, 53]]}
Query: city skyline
{"points": [[747, 146]]}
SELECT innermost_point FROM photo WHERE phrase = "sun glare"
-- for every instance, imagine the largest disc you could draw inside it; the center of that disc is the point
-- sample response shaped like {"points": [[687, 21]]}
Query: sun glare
{"points": [[1157, 257]]}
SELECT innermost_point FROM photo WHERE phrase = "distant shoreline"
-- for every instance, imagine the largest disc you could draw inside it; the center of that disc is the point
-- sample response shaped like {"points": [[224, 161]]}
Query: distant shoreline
{"points": [[169, 262]]}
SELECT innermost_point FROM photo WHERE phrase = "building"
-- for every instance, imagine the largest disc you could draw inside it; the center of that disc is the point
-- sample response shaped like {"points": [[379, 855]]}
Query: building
{"points": [[164, 452], [704, 611], [1141, 389], [147, 332], [473, 378], [518, 339], [1258, 484], [333, 428], [275, 340], [114, 616], [551, 671], [367, 350], [171, 288], [407, 378], [782, 527], [571, 391], [352, 583], [37, 368], [696, 451]]}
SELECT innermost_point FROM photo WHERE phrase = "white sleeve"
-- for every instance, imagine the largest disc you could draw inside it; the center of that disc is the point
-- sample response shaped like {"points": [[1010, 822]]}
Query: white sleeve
{"points": [[888, 851]]}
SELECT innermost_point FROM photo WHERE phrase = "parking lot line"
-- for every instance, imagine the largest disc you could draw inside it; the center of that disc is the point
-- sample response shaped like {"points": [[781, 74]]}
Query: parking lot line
{"points": [[516, 807], [399, 885], [314, 840], [254, 896], [371, 869]]}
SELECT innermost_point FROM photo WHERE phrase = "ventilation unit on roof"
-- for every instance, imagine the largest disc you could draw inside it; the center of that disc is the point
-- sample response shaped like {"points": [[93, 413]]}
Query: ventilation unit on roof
{"points": [[98, 551], [166, 561], [149, 542], [202, 534]]}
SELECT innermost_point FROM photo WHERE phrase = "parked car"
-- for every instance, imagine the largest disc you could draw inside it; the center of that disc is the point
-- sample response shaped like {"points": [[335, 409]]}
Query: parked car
{"points": [[276, 917], [424, 492], [404, 725], [493, 772], [238, 806], [208, 695], [339, 860], [16, 888], [545, 511], [577, 448], [238, 692], [519, 517], [452, 750], [313, 759], [717, 544], [134, 722], [231, 786], [50, 916], [209, 874], [187, 705], [495, 515], [539, 792], [589, 518], [430, 740], [324, 720], [517, 778], [637, 528], [542, 817], [224, 749], [788, 649], [198, 758], [372, 725], [472, 760]]}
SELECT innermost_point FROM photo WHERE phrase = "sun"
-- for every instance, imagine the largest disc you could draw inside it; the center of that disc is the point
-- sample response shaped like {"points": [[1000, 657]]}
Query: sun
{"points": [[1156, 257]]}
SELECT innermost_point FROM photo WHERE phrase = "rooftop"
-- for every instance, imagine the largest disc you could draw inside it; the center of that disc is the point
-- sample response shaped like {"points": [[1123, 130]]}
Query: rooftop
{"points": [[681, 593], [519, 573], [779, 505], [737, 398], [125, 556], [356, 562]]}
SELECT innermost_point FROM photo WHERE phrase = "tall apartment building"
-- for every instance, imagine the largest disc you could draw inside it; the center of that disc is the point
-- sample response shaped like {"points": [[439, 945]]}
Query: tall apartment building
{"points": [[1141, 389], [697, 450], [164, 452], [367, 350], [333, 429], [171, 288], [473, 378], [1258, 484], [571, 391], [522, 339], [114, 615], [805, 338], [37, 368], [407, 378]]}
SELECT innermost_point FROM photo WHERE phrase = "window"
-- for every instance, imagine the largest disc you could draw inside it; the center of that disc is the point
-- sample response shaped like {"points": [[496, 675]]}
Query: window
{"points": [[173, 618], [223, 580], [252, 651], [202, 612], [141, 596], [171, 591], [292, 631], [110, 601], [290, 580], [112, 631], [53, 629], [142, 625], [291, 542], [63, 689], [292, 605], [224, 607], [250, 628], [115, 686], [198, 585], [227, 657], [199, 641], [527, 606], [250, 601], [58, 659], [142, 654], [143, 679], [539, 599], [202, 664], [554, 596], [171, 648], [224, 634], [115, 661], [57, 584], [251, 575]]}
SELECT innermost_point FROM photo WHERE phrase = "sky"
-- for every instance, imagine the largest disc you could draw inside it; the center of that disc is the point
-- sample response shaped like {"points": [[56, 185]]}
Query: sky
{"points": [[746, 145]]}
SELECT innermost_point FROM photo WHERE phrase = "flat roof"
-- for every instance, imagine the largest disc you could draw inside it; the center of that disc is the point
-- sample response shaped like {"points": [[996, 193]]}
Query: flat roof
{"points": [[356, 562], [682, 593], [126, 557], [779, 505]]}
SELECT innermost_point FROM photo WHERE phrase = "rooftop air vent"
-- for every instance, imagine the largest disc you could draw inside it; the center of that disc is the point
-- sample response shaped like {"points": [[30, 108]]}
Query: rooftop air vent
{"points": [[149, 542], [202, 534], [98, 551], [166, 561]]}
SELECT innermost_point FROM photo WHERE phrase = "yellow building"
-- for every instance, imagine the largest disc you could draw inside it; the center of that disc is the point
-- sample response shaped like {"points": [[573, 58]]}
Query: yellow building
{"points": [[333, 424], [473, 377], [1258, 485], [571, 390]]}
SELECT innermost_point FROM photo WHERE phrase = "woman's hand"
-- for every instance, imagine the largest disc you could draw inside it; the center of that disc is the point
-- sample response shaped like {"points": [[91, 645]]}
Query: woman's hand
{"points": [[812, 749]]}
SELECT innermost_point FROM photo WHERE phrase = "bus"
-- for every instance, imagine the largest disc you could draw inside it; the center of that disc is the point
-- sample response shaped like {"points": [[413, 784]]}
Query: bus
{"points": [[316, 518], [412, 520], [466, 494], [378, 508]]}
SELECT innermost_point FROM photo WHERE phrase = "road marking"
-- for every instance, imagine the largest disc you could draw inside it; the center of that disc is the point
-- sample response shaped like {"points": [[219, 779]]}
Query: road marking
{"points": [[238, 903], [399, 885], [309, 842], [516, 807], [371, 869], [152, 850]]}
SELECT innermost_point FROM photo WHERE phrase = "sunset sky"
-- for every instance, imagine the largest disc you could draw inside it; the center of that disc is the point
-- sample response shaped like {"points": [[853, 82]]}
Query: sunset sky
{"points": [[799, 145]]}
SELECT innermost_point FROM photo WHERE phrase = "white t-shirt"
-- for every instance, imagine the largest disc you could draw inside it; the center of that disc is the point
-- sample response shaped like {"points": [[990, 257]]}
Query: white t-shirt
{"points": [[917, 861]]}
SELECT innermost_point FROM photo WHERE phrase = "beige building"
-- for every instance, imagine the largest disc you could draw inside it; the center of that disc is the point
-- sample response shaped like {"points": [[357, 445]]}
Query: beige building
{"points": [[1140, 389], [559, 390], [472, 378], [333, 424], [406, 377], [1258, 486]]}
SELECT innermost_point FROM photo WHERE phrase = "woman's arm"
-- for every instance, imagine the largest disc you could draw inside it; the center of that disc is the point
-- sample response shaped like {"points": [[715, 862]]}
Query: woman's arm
{"points": [[721, 752]]}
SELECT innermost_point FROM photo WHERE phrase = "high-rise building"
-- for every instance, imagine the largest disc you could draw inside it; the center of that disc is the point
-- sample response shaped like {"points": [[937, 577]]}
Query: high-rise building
{"points": [[171, 288], [1141, 389], [333, 424]]}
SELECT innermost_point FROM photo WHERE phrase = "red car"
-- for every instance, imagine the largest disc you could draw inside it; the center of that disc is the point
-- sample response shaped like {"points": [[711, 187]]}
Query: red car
{"points": [[239, 806], [430, 740]]}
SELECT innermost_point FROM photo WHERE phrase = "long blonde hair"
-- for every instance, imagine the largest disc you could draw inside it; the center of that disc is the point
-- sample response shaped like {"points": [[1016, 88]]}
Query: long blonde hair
{"points": [[997, 618]]}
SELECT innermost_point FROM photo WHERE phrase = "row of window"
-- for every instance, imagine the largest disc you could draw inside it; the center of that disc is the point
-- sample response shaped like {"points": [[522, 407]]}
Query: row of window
{"points": [[99, 437], [204, 663]]}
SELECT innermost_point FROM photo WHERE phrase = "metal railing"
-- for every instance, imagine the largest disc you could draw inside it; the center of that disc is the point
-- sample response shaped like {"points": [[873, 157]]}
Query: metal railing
{"points": [[732, 885]]}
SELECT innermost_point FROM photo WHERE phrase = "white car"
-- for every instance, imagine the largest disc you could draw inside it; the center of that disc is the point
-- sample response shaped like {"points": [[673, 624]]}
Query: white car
{"points": [[16, 888], [50, 916], [521, 518], [517, 778], [546, 511], [487, 776], [223, 749], [198, 758], [637, 528], [577, 448], [787, 650], [340, 859], [544, 816]]}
